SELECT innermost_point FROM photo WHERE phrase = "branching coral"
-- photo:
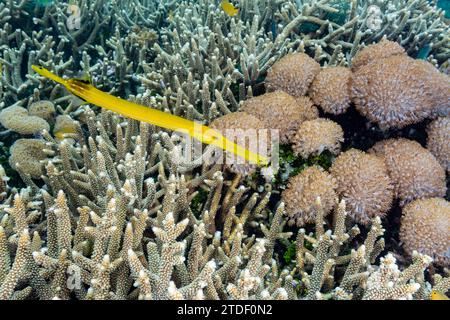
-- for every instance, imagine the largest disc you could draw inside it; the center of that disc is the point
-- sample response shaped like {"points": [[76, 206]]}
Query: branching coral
{"points": [[364, 184], [425, 228], [414, 171], [333, 34], [315, 136]]}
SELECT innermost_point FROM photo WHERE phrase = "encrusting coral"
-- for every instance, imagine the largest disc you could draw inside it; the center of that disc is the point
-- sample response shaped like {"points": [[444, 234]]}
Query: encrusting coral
{"points": [[398, 91], [280, 111], [425, 228], [16, 118], [414, 171], [27, 156], [302, 192], [364, 184], [43, 109], [293, 74], [330, 89], [438, 141], [315, 136]]}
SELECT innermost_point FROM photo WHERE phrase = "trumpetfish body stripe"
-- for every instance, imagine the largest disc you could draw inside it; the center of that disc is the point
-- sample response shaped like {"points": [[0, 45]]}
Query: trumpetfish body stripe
{"points": [[132, 110]]}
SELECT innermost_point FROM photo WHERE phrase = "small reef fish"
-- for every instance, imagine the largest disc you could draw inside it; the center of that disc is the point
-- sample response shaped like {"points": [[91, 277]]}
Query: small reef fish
{"points": [[74, 20], [170, 16], [229, 8], [436, 295], [59, 135], [204, 134]]}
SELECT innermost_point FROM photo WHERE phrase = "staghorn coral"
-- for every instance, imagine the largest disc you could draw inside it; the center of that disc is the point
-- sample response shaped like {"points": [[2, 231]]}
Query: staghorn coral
{"points": [[222, 59], [364, 184], [438, 141], [303, 191], [388, 283], [168, 253], [377, 51], [248, 131], [280, 111], [16, 118], [315, 136], [28, 157], [397, 91], [425, 228], [330, 89], [293, 74], [414, 171], [335, 40]]}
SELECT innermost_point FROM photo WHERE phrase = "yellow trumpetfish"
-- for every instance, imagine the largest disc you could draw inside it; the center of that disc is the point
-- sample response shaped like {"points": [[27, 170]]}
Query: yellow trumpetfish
{"points": [[159, 118], [229, 8], [436, 295]]}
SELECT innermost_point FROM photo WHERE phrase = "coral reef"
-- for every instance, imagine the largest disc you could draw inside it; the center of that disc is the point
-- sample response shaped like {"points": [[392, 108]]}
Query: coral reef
{"points": [[425, 228], [364, 184], [97, 206]]}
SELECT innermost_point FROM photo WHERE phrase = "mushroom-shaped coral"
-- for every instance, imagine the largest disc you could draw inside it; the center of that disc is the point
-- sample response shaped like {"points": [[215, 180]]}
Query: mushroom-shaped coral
{"points": [[281, 111], [414, 171], [398, 91], [293, 74], [17, 119], [247, 131], [364, 184], [302, 191], [43, 109], [330, 89], [27, 156], [373, 52], [439, 141], [64, 125], [315, 136], [425, 228]]}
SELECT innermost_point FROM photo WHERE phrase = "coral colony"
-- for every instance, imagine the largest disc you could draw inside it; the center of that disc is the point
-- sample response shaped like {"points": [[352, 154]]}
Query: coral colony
{"points": [[349, 100]]}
